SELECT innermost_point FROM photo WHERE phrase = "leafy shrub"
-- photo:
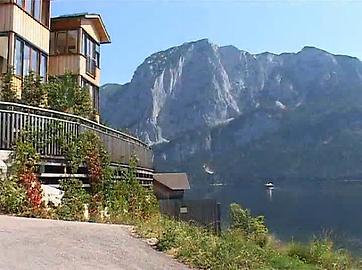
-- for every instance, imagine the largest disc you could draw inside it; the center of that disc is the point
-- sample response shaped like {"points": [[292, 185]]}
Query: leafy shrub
{"points": [[320, 252], [65, 95], [7, 90], [73, 201], [253, 228], [24, 162], [12, 197], [127, 200]]}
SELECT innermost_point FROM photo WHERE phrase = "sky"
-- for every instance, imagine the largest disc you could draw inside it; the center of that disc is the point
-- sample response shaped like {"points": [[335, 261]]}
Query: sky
{"points": [[139, 28]]}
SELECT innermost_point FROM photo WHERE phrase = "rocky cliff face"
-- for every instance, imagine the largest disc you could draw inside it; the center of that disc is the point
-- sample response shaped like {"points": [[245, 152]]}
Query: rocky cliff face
{"points": [[219, 111]]}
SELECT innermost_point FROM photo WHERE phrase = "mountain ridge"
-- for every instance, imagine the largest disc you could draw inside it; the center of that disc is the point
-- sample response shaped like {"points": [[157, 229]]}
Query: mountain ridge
{"points": [[199, 103]]}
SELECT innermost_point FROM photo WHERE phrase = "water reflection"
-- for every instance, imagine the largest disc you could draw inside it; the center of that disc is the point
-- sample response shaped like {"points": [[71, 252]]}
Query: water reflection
{"points": [[270, 194]]}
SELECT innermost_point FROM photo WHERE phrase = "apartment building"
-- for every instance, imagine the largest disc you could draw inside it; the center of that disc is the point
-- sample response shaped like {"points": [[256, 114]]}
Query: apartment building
{"points": [[32, 41]]}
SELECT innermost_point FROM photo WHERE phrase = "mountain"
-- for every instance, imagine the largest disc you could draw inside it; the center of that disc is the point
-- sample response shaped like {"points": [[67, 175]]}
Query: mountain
{"points": [[225, 115]]}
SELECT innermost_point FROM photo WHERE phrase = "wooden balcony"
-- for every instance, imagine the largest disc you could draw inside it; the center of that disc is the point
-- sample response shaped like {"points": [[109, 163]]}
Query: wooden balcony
{"points": [[16, 117]]}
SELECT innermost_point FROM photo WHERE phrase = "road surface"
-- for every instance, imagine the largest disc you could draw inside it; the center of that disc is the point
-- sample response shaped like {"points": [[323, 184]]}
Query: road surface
{"points": [[49, 244]]}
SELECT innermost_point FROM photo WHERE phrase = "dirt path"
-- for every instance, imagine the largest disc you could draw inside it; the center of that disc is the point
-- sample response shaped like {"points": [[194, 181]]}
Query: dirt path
{"points": [[49, 244]]}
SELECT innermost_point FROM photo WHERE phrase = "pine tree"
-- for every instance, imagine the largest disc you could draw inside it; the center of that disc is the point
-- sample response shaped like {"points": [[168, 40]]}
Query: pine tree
{"points": [[33, 92]]}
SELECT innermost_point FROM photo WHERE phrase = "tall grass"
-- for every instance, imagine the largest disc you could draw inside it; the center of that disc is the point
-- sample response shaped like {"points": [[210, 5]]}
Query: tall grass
{"points": [[234, 249]]}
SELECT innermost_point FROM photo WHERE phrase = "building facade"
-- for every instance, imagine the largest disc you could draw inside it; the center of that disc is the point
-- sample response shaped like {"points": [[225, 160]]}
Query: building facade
{"points": [[32, 41], [75, 48], [24, 37]]}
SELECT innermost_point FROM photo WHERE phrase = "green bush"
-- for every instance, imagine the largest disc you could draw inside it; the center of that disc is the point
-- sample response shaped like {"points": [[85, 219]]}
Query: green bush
{"points": [[252, 228], [320, 252], [65, 95], [12, 197], [73, 201], [127, 200]]}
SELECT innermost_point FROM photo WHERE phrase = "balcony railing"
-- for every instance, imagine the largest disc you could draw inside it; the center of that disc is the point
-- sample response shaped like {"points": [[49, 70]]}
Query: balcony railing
{"points": [[16, 117]]}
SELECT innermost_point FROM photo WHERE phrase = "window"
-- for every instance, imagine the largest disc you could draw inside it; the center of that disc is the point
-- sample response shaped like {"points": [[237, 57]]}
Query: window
{"points": [[3, 54], [45, 12], [43, 66], [39, 9], [29, 6], [64, 42], [93, 93], [61, 41], [34, 61], [27, 58], [98, 55], [19, 58], [72, 41], [91, 51]]}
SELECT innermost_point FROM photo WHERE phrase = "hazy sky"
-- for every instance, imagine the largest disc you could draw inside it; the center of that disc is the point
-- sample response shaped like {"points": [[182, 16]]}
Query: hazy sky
{"points": [[139, 28]]}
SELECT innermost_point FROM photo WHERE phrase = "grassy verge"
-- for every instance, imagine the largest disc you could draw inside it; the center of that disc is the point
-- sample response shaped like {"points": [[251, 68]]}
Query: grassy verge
{"points": [[235, 250]]}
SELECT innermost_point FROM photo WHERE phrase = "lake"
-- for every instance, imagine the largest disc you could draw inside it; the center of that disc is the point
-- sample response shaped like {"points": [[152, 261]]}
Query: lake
{"points": [[303, 209]]}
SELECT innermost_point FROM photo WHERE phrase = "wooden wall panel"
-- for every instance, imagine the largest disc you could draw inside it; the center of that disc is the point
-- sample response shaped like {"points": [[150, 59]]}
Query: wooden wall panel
{"points": [[30, 29], [6, 17], [60, 64], [89, 27]]}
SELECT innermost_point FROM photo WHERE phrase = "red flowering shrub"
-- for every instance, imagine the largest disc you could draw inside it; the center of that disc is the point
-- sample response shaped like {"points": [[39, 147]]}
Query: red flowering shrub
{"points": [[32, 185], [24, 165]]}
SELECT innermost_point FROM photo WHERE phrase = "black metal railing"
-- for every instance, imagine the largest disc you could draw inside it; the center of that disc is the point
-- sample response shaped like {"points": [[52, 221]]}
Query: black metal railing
{"points": [[14, 118]]}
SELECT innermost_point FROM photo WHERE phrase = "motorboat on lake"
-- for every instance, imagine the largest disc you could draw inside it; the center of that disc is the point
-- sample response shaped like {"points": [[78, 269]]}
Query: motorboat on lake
{"points": [[269, 185]]}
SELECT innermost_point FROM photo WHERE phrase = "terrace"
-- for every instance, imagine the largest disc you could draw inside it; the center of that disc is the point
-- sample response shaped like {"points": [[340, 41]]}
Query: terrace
{"points": [[14, 118]]}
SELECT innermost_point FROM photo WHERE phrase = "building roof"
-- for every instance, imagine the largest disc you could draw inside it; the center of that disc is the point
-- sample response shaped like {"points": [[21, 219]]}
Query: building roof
{"points": [[105, 38], [173, 181]]}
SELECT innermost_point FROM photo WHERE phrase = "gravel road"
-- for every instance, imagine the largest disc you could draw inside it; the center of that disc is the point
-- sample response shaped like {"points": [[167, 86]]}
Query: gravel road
{"points": [[49, 244]]}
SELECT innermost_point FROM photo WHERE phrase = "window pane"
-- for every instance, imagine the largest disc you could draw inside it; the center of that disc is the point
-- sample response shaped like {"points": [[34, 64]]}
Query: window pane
{"points": [[3, 54], [37, 9], [28, 6], [84, 41], [52, 43], [43, 67], [60, 42], [34, 61], [45, 12], [72, 41], [18, 58], [26, 61], [20, 2], [98, 55]]}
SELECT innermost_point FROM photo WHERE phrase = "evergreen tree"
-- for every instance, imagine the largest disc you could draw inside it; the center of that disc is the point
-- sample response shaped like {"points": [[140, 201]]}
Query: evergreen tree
{"points": [[33, 92], [65, 94]]}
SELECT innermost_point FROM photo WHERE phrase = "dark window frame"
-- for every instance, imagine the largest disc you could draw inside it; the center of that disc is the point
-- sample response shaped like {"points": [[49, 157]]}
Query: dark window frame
{"points": [[40, 57], [54, 42], [92, 61], [95, 92]]}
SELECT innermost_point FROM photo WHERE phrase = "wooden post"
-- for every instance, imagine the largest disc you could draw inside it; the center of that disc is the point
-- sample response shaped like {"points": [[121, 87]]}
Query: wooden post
{"points": [[218, 219]]}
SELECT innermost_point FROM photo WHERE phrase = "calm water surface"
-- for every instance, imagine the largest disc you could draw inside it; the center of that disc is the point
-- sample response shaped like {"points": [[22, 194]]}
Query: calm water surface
{"points": [[301, 210]]}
